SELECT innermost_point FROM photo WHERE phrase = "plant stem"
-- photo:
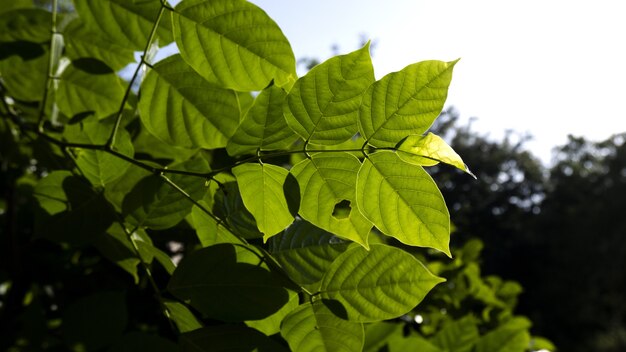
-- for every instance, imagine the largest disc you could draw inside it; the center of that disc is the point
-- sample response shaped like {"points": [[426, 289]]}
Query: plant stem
{"points": [[49, 74], [111, 141]]}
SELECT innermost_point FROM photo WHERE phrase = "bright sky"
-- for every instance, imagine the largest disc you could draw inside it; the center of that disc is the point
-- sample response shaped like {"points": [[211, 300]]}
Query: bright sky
{"points": [[550, 68]]}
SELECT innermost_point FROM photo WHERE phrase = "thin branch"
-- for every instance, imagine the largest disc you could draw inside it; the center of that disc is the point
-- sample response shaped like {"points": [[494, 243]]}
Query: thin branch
{"points": [[111, 141], [49, 73]]}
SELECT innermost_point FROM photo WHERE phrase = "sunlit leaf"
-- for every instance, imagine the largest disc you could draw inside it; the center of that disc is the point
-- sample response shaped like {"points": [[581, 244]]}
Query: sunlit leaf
{"points": [[229, 282], [208, 229], [430, 150], [262, 191], [228, 338], [511, 336], [127, 23], [313, 327], [327, 187], [90, 87], [404, 103], [305, 252], [99, 167], [382, 283], [403, 201], [390, 337], [183, 318], [271, 324], [181, 108], [263, 127], [322, 107], [24, 72], [460, 335], [233, 43]]}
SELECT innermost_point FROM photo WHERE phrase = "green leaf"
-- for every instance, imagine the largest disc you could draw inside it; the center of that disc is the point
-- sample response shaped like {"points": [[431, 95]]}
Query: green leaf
{"points": [[181, 108], [305, 252], [430, 150], [387, 336], [458, 336], [233, 43], [382, 283], [127, 23], [183, 318], [263, 127], [99, 167], [16, 4], [322, 107], [511, 336], [327, 187], [149, 252], [155, 204], [24, 73], [142, 341], [261, 187], [67, 199], [229, 282], [81, 42], [228, 205], [228, 338], [313, 327], [79, 327], [403, 202], [209, 231], [31, 25], [271, 325], [89, 86], [404, 103]]}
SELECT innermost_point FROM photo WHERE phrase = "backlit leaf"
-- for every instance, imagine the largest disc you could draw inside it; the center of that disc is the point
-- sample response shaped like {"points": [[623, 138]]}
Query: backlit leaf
{"points": [[404, 102], [382, 283], [327, 187], [305, 252], [30, 25], [263, 127], [511, 336], [208, 229], [262, 191], [181, 108], [24, 72], [271, 324], [430, 150], [459, 336], [322, 107], [127, 23], [233, 43], [99, 167], [183, 318], [403, 201], [89, 86], [313, 327]]}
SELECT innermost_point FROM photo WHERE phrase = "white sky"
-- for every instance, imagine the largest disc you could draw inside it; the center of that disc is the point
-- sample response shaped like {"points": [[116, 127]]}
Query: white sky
{"points": [[551, 67]]}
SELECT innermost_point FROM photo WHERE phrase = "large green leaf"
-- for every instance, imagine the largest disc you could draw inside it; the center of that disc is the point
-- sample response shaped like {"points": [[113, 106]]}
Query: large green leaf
{"points": [[153, 203], [403, 201], [404, 103], [511, 336], [67, 199], [228, 205], [228, 338], [305, 252], [30, 25], [390, 337], [327, 187], [313, 327], [16, 4], [382, 283], [263, 127], [233, 43], [89, 86], [127, 23], [80, 42], [181, 315], [271, 324], [263, 194], [99, 167], [181, 108], [208, 229], [229, 282], [430, 150], [25, 71], [458, 336], [322, 107]]}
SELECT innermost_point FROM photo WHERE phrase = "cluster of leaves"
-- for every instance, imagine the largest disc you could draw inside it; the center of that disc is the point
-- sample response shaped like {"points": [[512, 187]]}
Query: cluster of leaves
{"points": [[305, 197]]}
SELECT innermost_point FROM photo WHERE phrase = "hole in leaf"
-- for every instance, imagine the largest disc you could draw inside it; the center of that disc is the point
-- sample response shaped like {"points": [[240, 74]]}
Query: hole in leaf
{"points": [[342, 209]]}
